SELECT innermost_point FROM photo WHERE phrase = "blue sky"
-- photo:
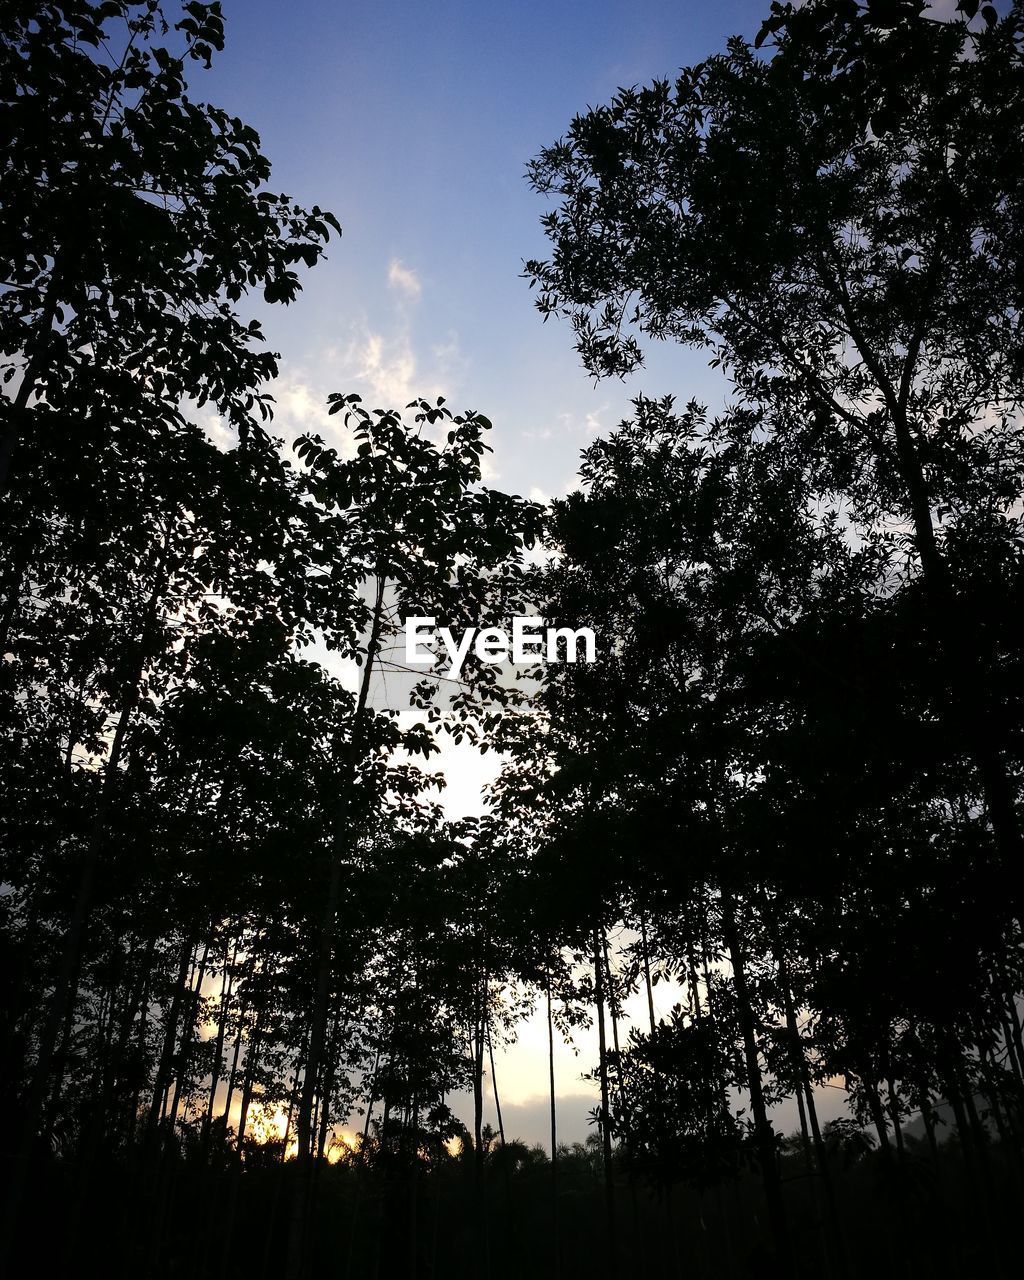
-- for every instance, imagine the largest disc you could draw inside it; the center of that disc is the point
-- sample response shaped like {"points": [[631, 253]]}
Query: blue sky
{"points": [[413, 123]]}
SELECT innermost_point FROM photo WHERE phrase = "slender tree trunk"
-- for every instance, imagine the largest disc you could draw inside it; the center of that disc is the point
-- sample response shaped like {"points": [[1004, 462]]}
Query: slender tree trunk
{"points": [[877, 1111], [505, 1171], [1018, 1030], [140, 1040], [924, 1102], [165, 1065], [414, 1247], [134, 1006], [233, 1074], [1003, 1122], [894, 1115], [553, 1118], [92, 1139], [327, 1090], [370, 1097], [805, 1096], [494, 1086], [611, 1261], [188, 1031], [252, 1058], [805, 1133], [648, 984], [363, 1157], [217, 1067], [613, 1010], [1012, 1054], [764, 1134], [478, 1102], [161, 1176], [623, 1107], [479, 1192]]}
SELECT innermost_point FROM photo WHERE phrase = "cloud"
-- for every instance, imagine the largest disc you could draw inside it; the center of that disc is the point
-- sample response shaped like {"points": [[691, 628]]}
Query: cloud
{"points": [[300, 409], [529, 1121], [589, 425], [405, 280], [383, 358], [466, 773], [385, 366], [213, 424]]}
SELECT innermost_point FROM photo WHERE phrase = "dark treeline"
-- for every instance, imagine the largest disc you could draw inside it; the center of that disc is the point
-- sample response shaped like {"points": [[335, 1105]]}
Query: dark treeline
{"points": [[251, 971]]}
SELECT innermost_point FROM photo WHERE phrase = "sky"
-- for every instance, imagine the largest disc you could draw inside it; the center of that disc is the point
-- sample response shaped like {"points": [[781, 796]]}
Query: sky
{"points": [[413, 124]]}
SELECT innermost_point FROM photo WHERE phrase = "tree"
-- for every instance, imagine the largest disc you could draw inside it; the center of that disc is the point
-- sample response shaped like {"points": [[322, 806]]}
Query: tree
{"points": [[757, 780], [840, 225], [406, 521], [134, 219]]}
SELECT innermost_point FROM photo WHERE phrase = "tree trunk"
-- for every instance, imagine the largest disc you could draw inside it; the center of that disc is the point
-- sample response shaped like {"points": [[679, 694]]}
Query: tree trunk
{"points": [[217, 1066], [894, 1116], [610, 1266], [763, 1132], [327, 1088], [188, 1030], [805, 1096], [555, 1246], [252, 1057], [165, 1065], [648, 984]]}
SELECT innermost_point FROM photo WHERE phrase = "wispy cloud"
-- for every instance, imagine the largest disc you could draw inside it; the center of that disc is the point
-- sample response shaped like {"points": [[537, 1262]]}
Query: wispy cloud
{"points": [[385, 365], [404, 279], [300, 409], [587, 425]]}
